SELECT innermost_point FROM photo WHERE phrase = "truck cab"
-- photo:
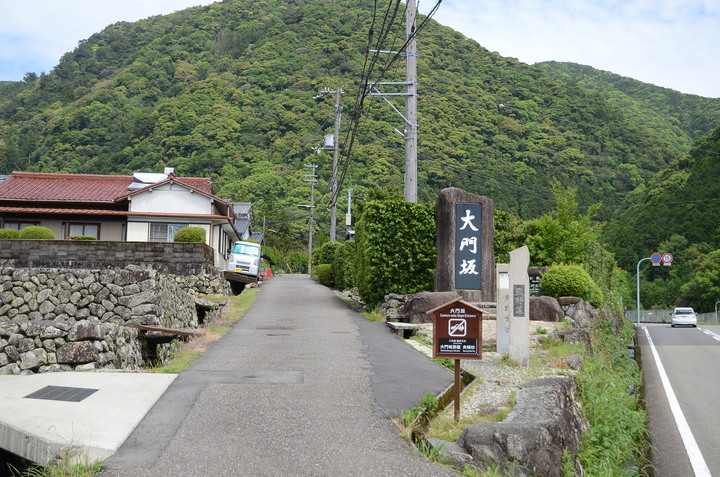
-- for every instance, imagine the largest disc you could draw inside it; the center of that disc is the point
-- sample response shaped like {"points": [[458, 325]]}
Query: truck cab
{"points": [[245, 259]]}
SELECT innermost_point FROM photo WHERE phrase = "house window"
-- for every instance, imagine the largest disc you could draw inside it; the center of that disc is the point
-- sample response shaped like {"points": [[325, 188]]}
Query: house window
{"points": [[90, 230], [164, 232], [11, 225]]}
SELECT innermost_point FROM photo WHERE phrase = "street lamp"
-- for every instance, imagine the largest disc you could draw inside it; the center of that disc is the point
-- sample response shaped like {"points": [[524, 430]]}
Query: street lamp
{"points": [[638, 288], [716, 316]]}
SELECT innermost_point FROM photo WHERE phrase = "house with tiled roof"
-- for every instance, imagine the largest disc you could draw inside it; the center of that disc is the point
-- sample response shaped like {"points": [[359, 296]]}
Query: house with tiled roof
{"points": [[144, 207]]}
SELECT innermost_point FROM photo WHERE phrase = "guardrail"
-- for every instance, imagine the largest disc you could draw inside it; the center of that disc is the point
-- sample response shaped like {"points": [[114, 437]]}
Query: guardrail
{"points": [[663, 316]]}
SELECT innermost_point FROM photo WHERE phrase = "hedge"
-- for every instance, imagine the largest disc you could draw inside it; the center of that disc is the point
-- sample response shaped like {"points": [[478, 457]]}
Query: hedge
{"points": [[344, 265], [9, 234], [323, 272], [395, 249]]}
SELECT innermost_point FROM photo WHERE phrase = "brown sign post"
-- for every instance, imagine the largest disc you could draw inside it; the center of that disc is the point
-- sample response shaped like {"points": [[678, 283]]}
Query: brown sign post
{"points": [[457, 334]]}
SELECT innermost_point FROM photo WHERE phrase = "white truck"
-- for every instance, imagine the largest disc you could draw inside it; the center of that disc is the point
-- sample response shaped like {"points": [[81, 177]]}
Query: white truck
{"points": [[245, 259]]}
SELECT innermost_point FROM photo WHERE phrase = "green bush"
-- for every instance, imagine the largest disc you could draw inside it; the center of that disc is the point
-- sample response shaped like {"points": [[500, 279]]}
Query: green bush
{"points": [[570, 280], [395, 249], [324, 274], [9, 234], [271, 255], [344, 265], [37, 232], [325, 253], [295, 261], [82, 237], [190, 234]]}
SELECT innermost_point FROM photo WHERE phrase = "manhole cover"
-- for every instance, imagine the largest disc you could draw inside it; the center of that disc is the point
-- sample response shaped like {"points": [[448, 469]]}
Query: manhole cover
{"points": [[62, 393]]}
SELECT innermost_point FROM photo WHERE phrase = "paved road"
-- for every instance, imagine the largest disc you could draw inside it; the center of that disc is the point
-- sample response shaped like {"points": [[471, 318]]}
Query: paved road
{"points": [[300, 386], [689, 358]]}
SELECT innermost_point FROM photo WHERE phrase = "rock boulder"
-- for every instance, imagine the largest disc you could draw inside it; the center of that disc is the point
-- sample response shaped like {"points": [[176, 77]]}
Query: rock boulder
{"points": [[418, 304]]}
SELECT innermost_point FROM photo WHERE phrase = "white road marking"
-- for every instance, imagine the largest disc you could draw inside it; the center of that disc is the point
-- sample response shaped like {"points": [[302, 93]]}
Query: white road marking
{"points": [[714, 336], [697, 461]]}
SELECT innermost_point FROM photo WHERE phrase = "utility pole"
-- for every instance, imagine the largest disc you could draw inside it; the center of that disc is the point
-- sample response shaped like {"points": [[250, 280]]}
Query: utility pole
{"points": [[336, 151], [411, 105], [312, 182], [410, 116]]}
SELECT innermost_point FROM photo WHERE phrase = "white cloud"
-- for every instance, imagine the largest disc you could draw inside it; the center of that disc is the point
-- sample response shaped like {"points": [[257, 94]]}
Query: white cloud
{"points": [[34, 34], [670, 43]]}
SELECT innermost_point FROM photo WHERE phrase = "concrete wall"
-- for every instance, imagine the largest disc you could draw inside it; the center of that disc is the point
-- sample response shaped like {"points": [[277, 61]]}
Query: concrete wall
{"points": [[185, 259]]}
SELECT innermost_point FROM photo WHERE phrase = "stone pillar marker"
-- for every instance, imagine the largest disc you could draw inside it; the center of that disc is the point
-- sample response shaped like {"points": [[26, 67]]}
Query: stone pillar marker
{"points": [[502, 322], [465, 232], [519, 343]]}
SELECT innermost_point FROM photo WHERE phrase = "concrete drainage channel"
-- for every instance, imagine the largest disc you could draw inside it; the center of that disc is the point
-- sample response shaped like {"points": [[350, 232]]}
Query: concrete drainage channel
{"points": [[445, 400]]}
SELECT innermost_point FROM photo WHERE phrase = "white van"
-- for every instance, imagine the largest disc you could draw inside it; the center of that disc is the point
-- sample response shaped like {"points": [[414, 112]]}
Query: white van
{"points": [[245, 259]]}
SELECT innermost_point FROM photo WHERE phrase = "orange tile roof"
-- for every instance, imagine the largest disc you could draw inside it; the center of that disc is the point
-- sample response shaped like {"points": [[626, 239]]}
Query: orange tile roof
{"points": [[52, 187], [124, 213]]}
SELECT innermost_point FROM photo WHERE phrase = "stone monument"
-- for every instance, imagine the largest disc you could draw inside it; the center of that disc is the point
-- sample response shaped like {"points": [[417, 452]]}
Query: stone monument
{"points": [[465, 232], [502, 320], [519, 343]]}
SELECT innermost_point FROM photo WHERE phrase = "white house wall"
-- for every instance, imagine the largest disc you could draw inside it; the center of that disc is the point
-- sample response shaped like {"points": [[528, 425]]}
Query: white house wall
{"points": [[172, 199]]}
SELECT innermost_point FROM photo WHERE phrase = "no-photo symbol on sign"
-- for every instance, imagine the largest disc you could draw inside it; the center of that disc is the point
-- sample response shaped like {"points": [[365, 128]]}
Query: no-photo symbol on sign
{"points": [[457, 327]]}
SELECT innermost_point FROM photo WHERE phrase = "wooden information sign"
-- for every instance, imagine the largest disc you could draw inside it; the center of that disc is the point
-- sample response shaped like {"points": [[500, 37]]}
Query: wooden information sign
{"points": [[457, 331], [457, 334]]}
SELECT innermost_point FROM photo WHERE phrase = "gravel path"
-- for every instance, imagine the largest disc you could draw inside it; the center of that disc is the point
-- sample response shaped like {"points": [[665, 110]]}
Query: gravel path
{"points": [[496, 379]]}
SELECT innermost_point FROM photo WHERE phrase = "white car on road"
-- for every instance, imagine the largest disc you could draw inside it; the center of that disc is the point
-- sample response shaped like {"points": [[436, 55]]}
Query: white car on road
{"points": [[683, 316]]}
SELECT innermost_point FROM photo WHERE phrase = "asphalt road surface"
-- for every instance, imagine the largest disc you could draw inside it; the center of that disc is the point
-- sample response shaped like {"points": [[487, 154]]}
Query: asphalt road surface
{"points": [[300, 386], [682, 376]]}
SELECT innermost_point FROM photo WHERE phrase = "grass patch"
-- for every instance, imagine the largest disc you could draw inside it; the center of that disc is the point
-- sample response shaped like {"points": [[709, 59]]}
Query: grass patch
{"points": [[67, 464], [558, 348], [374, 316], [422, 339], [414, 421], [445, 427], [188, 351], [609, 383]]}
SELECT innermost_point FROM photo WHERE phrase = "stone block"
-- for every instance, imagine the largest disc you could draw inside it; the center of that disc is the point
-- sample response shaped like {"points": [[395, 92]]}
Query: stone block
{"points": [[79, 352], [85, 330], [33, 359], [545, 308], [417, 305]]}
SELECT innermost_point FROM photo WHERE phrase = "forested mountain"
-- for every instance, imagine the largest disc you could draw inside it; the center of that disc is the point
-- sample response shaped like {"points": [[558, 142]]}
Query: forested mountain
{"points": [[680, 118], [226, 91]]}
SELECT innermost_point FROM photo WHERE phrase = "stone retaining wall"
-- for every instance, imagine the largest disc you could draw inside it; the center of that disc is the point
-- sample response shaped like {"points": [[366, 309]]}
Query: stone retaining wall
{"points": [[42, 346], [65, 305]]}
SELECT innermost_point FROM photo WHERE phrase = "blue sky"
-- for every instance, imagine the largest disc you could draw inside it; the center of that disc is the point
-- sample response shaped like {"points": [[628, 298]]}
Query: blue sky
{"points": [[670, 43]]}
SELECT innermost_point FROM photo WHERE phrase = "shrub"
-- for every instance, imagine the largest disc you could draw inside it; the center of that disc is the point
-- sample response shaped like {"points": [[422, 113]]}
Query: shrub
{"points": [[395, 249], [324, 274], [36, 232], [325, 253], [344, 265], [9, 234], [295, 261], [190, 234], [570, 280], [82, 237]]}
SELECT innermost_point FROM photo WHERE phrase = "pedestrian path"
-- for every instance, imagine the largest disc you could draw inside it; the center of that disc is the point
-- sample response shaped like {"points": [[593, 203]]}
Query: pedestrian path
{"points": [[301, 386]]}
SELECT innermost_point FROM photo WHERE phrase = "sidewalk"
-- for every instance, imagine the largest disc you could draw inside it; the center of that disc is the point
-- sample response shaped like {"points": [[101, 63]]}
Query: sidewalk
{"points": [[301, 386]]}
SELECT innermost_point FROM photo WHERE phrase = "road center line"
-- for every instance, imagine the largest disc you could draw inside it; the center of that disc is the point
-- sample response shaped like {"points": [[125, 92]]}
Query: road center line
{"points": [[697, 461]]}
